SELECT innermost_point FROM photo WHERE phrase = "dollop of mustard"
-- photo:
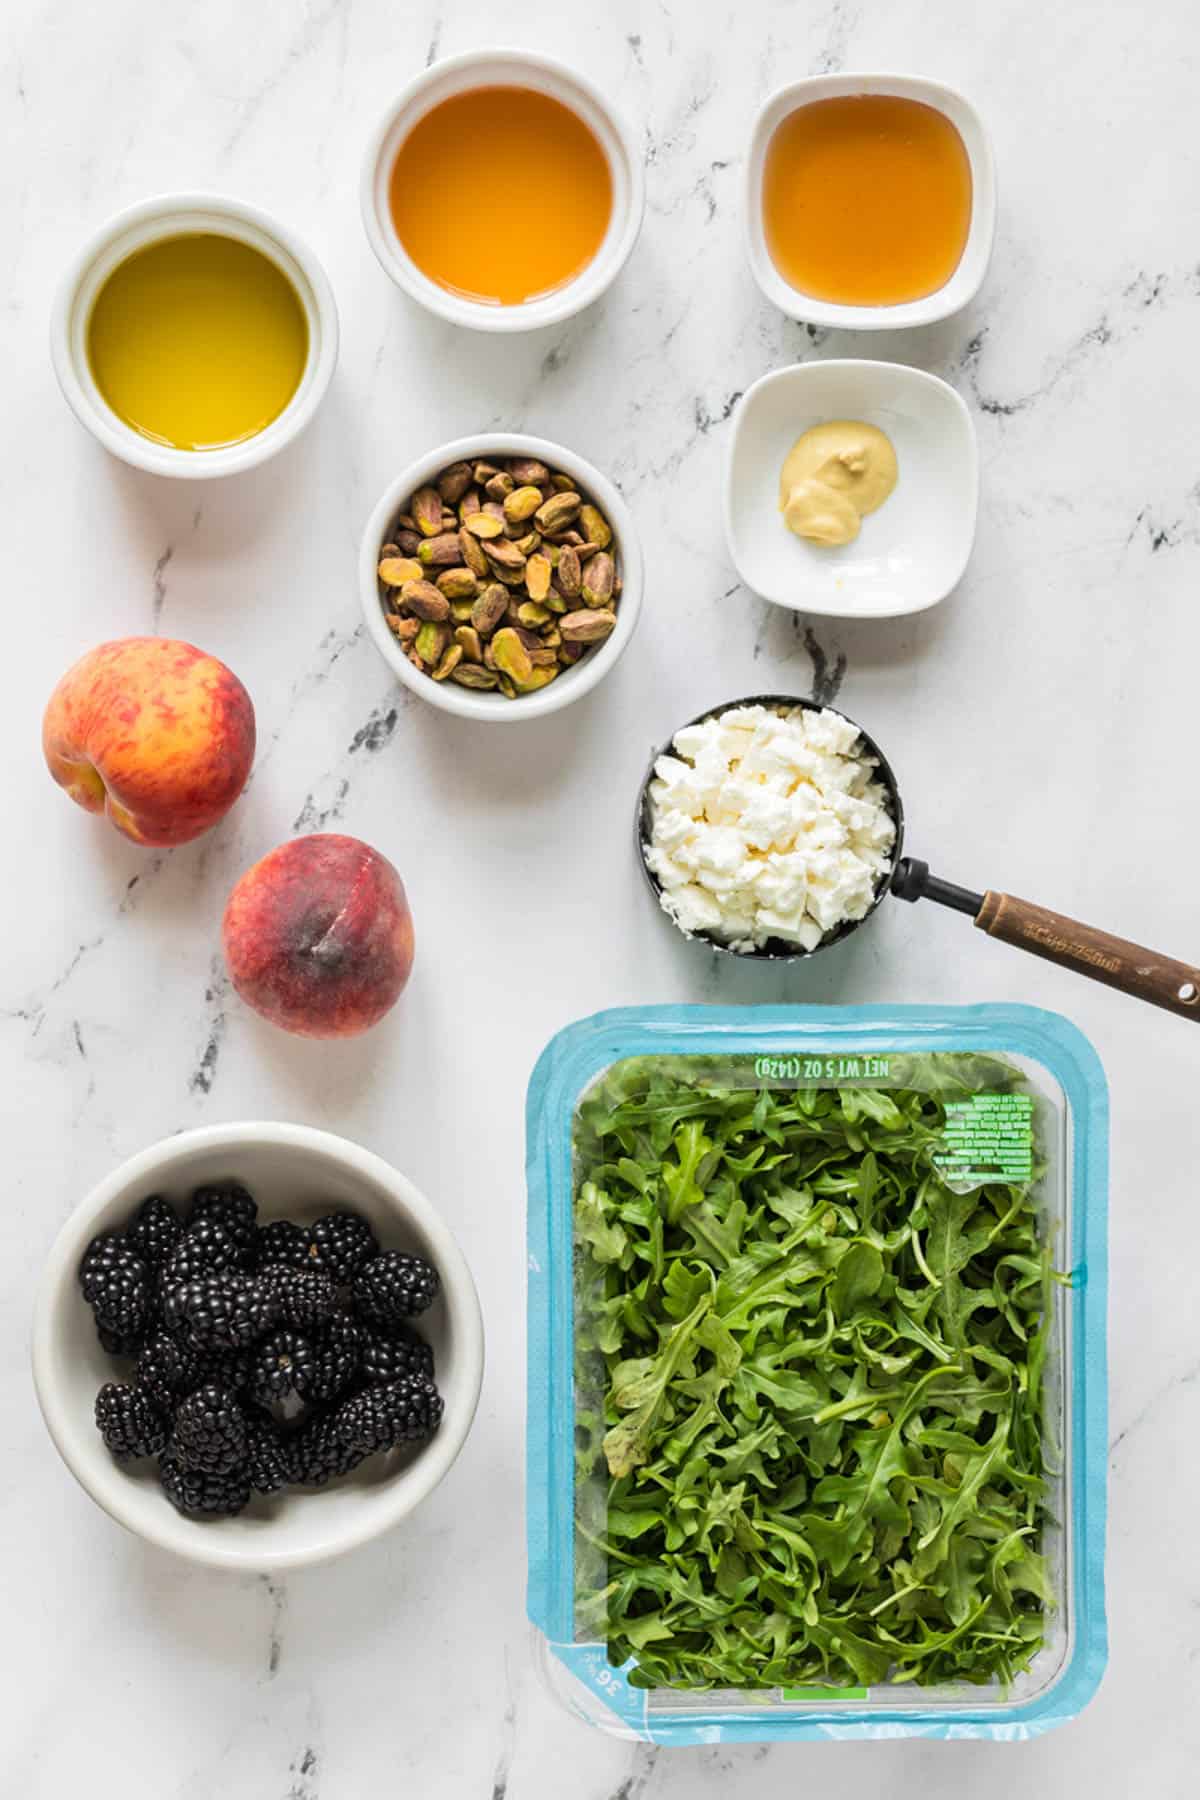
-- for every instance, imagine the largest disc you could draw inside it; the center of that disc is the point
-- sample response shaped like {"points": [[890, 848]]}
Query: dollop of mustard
{"points": [[833, 476]]}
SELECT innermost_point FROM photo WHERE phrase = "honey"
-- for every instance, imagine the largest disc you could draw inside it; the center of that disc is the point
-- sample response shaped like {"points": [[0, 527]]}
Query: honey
{"points": [[866, 199], [501, 194], [197, 341]]}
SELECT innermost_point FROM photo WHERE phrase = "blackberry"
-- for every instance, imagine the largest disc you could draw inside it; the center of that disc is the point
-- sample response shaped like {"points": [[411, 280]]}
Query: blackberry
{"points": [[341, 1243], [222, 1312], [129, 1421], [306, 1297], [155, 1231], [319, 1451], [199, 1494], [210, 1430], [266, 1457], [407, 1411], [227, 1203], [282, 1242], [335, 1358], [388, 1352], [204, 1249], [282, 1366], [228, 1368], [118, 1346], [394, 1287], [116, 1285], [166, 1368]]}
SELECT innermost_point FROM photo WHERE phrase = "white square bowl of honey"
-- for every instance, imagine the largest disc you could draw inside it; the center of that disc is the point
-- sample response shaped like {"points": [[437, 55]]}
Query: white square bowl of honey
{"points": [[911, 547], [870, 201]]}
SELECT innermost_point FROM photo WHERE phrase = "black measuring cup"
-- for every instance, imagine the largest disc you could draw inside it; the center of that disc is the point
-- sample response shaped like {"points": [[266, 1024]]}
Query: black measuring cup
{"points": [[1146, 975]]}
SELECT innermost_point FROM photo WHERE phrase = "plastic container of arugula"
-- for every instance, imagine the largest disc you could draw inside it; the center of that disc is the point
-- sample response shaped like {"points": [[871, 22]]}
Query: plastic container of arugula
{"points": [[817, 1371]]}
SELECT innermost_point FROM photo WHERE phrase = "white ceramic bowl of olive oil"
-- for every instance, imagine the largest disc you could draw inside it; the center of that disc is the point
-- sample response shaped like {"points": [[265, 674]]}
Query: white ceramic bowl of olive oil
{"points": [[147, 228]]}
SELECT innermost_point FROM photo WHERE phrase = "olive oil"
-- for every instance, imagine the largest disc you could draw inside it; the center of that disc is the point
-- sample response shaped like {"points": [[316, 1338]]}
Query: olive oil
{"points": [[501, 194], [866, 199], [197, 341]]}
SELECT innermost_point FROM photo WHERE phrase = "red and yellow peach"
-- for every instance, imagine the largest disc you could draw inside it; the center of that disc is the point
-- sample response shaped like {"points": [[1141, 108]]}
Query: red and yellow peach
{"points": [[154, 733], [318, 936]]}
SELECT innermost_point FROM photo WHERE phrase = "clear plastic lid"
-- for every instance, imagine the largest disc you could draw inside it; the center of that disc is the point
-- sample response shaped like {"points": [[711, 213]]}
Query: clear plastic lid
{"points": [[856, 1255]]}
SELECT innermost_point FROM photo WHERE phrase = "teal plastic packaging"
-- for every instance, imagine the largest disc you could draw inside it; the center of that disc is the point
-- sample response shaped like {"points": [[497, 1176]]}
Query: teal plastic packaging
{"points": [[858, 1047]]}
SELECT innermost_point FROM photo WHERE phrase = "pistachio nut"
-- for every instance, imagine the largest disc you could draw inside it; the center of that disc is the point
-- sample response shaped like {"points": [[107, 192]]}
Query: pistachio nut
{"points": [[567, 571], [489, 608], [555, 514], [500, 485], [439, 552], [537, 577], [561, 484], [394, 571], [461, 610], [596, 528], [448, 662], [472, 675], [427, 511], [586, 626], [459, 584], [483, 472], [405, 629], [472, 643], [526, 471], [430, 642], [453, 482], [424, 601], [472, 553], [484, 524], [522, 503], [598, 579], [512, 658]]}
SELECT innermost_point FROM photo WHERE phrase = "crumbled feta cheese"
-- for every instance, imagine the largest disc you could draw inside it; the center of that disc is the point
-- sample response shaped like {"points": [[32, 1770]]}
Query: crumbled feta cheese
{"points": [[768, 825]]}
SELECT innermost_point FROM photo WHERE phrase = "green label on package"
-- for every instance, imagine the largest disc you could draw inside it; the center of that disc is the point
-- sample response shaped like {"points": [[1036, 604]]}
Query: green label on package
{"points": [[986, 1138]]}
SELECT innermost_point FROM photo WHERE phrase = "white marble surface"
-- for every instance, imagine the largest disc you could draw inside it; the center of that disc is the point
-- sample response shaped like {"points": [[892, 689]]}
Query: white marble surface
{"points": [[1042, 722]]}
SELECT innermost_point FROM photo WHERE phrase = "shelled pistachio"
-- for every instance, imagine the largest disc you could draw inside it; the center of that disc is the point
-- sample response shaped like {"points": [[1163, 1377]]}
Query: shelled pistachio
{"points": [[498, 574]]}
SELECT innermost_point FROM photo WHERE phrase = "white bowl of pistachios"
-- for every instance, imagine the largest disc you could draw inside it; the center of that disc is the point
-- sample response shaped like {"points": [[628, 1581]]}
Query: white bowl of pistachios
{"points": [[500, 577]]}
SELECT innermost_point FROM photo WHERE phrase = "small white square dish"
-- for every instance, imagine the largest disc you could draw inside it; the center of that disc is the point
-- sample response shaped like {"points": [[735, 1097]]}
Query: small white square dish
{"points": [[909, 553], [965, 281]]}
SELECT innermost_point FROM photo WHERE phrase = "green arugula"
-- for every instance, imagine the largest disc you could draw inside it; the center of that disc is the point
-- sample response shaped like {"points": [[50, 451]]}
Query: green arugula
{"points": [[809, 1394]]}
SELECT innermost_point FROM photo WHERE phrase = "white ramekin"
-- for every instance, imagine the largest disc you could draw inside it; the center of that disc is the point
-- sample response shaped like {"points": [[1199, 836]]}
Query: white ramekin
{"points": [[498, 68], [169, 215], [293, 1172], [962, 286], [572, 683]]}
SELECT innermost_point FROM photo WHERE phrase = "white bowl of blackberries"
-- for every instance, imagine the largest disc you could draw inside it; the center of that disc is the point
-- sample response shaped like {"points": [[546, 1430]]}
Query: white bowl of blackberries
{"points": [[257, 1345]]}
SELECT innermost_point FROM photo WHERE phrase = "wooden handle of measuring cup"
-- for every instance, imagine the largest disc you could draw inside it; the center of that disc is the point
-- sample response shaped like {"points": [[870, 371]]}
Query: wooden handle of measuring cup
{"points": [[1143, 973]]}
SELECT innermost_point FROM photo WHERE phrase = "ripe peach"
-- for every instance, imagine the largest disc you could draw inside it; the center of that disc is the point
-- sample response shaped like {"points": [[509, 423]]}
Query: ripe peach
{"points": [[154, 733], [318, 936]]}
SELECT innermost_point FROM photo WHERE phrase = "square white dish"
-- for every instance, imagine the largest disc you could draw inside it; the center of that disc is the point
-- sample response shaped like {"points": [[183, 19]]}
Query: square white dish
{"points": [[965, 282], [913, 550]]}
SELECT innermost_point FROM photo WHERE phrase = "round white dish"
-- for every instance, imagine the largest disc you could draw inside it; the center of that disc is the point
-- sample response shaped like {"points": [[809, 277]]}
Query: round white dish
{"points": [[169, 216], [572, 683], [293, 1172], [912, 551], [962, 286], [498, 68]]}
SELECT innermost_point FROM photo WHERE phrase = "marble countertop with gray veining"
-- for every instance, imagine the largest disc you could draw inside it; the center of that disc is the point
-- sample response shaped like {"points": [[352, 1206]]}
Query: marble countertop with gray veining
{"points": [[1041, 722]]}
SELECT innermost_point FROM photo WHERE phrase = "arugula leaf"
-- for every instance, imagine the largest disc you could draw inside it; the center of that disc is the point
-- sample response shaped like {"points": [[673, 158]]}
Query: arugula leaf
{"points": [[810, 1431]]}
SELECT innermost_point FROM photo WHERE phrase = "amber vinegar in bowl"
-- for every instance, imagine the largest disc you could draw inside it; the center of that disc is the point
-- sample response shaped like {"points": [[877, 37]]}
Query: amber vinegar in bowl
{"points": [[440, 167], [870, 201]]}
